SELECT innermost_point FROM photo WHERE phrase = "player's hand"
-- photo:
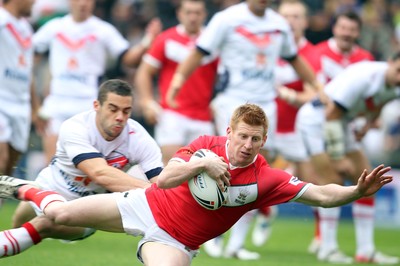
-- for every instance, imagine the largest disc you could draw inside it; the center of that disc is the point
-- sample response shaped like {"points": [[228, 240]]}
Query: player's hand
{"points": [[152, 30], [217, 168], [40, 122], [369, 184], [173, 90]]}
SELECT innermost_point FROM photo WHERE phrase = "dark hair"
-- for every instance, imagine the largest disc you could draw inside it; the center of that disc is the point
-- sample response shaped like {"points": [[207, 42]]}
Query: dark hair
{"points": [[350, 15], [116, 86]]}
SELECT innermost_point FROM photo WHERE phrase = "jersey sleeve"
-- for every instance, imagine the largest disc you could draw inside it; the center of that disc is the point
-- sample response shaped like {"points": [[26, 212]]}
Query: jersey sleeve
{"points": [[156, 54], [349, 86], [278, 186], [145, 152], [115, 43], [289, 47], [212, 37], [42, 38]]}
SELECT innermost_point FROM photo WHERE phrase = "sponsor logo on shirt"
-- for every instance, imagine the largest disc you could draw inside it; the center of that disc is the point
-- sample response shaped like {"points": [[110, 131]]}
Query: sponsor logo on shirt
{"points": [[295, 181], [16, 75]]}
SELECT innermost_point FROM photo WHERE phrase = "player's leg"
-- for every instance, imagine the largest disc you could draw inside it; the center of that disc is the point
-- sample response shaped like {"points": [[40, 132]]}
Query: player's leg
{"points": [[166, 255], [22, 214], [234, 247], [98, 211], [15, 241], [309, 124], [49, 146], [363, 211]]}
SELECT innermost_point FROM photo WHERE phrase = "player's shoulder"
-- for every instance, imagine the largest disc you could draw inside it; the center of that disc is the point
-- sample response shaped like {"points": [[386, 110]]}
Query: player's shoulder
{"points": [[78, 122], [136, 130]]}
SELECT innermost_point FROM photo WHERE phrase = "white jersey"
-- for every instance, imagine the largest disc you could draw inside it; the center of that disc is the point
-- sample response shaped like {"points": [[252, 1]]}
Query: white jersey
{"points": [[80, 139], [249, 48], [361, 88], [16, 61], [78, 53]]}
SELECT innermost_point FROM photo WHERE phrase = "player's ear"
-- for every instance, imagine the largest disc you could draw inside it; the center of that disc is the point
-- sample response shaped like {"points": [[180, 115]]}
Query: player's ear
{"points": [[228, 132], [265, 139], [96, 105]]}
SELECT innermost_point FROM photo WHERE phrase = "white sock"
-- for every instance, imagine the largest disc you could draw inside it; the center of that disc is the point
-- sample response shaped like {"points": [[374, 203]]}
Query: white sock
{"points": [[14, 241], [329, 218], [363, 216], [238, 233]]}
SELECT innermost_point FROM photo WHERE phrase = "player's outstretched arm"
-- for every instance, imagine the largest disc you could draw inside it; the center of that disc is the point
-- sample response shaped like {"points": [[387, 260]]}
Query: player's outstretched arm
{"points": [[333, 195]]}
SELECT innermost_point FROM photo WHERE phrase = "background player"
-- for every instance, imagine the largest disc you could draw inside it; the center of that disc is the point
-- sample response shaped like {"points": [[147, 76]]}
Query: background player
{"points": [[360, 90], [176, 127], [79, 46]]}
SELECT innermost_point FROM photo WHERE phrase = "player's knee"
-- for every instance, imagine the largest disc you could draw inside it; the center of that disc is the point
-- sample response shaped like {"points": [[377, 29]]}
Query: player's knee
{"points": [[59, 215]]}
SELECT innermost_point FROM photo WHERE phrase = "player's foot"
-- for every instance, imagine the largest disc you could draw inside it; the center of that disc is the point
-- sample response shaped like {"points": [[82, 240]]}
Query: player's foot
{"points": [[377, 258], [314, 246], [214, 247], [262, 227], [336, 257], [243, 254], [9, 186]]}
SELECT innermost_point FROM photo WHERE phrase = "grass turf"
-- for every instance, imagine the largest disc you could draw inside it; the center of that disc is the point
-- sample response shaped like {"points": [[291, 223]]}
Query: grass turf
{"points": [[286, 247]]}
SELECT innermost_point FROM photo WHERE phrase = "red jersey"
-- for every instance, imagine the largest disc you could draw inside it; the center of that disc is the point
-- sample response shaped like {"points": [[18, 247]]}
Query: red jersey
{"points": [[287, 76], [257, 185], [168, 50], [333, 61]]}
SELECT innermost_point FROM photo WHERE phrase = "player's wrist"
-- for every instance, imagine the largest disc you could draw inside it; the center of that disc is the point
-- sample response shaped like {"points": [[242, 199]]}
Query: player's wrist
{"points": [[177, 81], [288, 95], [146, 41]]}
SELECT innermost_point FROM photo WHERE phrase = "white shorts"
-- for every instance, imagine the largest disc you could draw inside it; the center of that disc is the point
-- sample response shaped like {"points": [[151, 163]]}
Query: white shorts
{"points": [[223, 107], [176, 129], [309, 123], [15, 123], [291, 146], [59, 109], [138, 220]]}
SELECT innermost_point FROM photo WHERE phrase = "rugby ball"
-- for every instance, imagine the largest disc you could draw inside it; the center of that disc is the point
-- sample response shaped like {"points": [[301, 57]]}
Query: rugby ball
{"points": [[204, 189]]}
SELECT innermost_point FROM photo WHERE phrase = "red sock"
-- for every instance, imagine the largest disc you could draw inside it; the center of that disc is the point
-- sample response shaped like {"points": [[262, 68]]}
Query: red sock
{"points": [[370, 201], [32, 232], [42, 197], [317, 233], [265, 210]]}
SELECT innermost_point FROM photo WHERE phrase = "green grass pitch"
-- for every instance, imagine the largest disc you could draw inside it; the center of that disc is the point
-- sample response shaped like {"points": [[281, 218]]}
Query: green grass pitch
{"points": [[286, 247]]}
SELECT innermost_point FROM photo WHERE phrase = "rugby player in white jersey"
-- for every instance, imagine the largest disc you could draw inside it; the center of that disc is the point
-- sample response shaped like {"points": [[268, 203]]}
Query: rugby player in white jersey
{"points": [[175, 127], [80, 45], [16, 54], [361, 89], [171, 223], [18, 101], [249, 38], [292, 94], [93, 151]]}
